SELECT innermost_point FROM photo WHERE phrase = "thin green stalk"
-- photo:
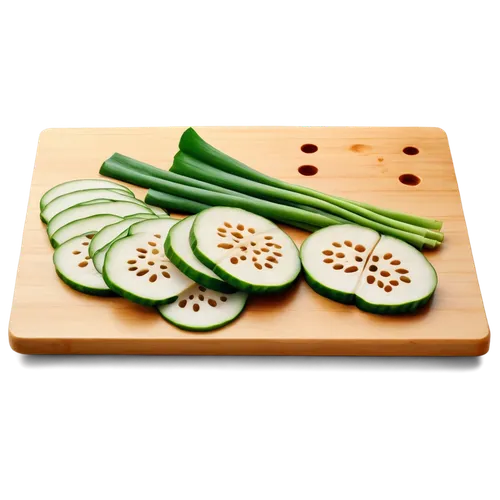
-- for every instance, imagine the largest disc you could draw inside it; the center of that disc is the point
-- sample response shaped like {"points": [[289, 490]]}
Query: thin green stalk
{"points": [[182, 205], [193, 168], [268, 209], [192, 144]]}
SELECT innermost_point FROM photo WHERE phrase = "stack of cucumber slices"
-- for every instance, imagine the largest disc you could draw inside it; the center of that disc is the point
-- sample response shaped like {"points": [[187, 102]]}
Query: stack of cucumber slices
{"points": [[199, 271]]}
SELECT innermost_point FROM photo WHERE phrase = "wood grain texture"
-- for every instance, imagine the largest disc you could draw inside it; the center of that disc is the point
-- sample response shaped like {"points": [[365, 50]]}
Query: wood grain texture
{"points": [[359, 163]]}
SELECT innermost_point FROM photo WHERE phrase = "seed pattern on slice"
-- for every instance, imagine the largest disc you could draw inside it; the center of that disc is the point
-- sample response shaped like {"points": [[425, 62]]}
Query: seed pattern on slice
{"points": [[387, 273]]}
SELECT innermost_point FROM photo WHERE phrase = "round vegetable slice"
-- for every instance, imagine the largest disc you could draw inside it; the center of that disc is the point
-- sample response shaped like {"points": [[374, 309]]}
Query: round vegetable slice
{"points": [[89, 224], [246, 250], [136, 268], [120, 208], [110, 232], [71, 199], [74, 267], [333, 259], [79, 185], [155, 227], [397, 279], [178, 250], [199, 309]]}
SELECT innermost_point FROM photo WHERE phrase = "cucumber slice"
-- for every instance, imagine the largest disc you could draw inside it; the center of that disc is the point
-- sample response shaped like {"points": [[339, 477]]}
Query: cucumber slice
{"points": [[136, 268], [155, 227], [63, 202], [333, 259], [178, 250], [109, 233], [74, 267], [119, 208], [354, 265], [141, 216], [398, 279], [157, 210], [246, 250], [89, 224], [78, 185], [201, 310]]}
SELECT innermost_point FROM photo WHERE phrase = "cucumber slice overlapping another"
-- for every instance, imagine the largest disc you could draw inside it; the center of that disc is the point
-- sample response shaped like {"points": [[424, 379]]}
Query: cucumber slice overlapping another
{"points": [[354, 265], [178, 250], [200, 309], [246, 250], [74, 266], [79, 185]]}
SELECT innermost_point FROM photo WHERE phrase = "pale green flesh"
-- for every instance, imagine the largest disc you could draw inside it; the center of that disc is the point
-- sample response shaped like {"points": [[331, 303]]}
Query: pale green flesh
{"points": [[109, 233], [93, 223], [119, 208], [71, 199], [159, 226], [78, 185], [142, 216], [201, 309]]}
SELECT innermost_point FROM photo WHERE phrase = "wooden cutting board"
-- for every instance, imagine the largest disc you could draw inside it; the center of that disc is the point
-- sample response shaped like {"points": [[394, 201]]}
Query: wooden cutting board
{"points": [[364, 164]]}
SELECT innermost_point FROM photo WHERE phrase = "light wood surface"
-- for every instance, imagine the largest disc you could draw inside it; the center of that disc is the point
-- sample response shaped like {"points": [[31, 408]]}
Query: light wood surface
{"points": [[359, 163]]}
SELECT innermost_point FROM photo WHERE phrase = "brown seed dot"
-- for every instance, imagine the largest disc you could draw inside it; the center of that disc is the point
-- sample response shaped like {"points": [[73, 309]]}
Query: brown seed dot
{"points": [[89, 236], [251, 230], [348, 243], [131, 261], [227, 224], [337, 267], [202, 289], [340, 255], [163, 266], [388, 288], [269, 266], [133, 268], [244, 248], [141, 250], [394, 283], [212, 302], [141, 256], [264, 249], [142, 272], [240, 227], [226, 246], [201, 297], [358, 258], [373, 268], [83, 263], [234, 260], [359, 248], [395, 262], [278, 254], [388, 256], [254, 259], [328, 261], [243, 257], [327, 252], [223, 298], [268, 237], [336, 244], [236, 234], [85, 243], [402, 271], [165, 274], [191, 297], [151, 263], [196, 307], [76, 252], [272, 259], [370, 279], [351, 269], [253, 243], [157, 236], [221, 235], [153, 278], [183, 303], [385, 274], [88, 257], [221, 229], [279, 247], [405, 279], [258, 266], [380, 284], [375, 258], [155, 251], [151, 243], [257, 252], [235, 240]]}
